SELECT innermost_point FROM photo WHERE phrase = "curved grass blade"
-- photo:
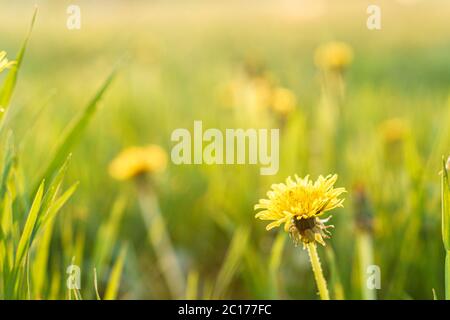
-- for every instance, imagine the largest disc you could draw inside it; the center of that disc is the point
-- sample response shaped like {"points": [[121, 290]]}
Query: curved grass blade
{"points": [[114, 280], [74, 131], [8, 163], [9, 84], [445, 185], [25, 239], [231, 263]]}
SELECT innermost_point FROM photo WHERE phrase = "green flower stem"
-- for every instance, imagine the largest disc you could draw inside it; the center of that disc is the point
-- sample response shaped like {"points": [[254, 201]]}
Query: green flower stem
{"points": [[317, 269], [447, 275], [365, 255], [160, 240], [445, 185]]}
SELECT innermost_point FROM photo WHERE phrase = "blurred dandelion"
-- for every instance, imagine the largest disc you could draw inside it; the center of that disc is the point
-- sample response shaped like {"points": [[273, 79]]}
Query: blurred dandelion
{"points": [[4, 63], [298, 205], [333, 59], [333, 56], [284, 101], [394, 130], [141, 164], [394, 133], [136, 161], [255, 98]]}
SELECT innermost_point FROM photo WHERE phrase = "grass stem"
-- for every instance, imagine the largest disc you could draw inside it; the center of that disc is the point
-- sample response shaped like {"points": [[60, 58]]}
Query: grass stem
{"points": [[365, 255], [160, 240]]}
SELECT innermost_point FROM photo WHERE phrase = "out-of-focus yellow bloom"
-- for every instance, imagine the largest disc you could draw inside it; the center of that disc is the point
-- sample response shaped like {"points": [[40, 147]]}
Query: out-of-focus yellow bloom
{"points": [[135, 161], [334, 56], [260, 93], [447, 166], [299, 204], [253, 94], [394, 130], [4, 63], [283, 101]]}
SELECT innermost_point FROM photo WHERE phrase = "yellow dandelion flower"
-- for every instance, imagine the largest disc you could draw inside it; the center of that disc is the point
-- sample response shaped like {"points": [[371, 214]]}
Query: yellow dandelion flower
{"points": [[447, 166], [298, 204], [4, 63], [283, 101], [136, 161], [334, 56]]}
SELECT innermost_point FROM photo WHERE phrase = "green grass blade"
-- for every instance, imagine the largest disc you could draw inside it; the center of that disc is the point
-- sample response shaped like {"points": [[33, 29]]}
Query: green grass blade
{"points": [[275, 261], [446, 223], [107, 234], [277, 252], [58, 204], [9, 84], [114, 280], [40, 262], [25, 239], [337, 288], [75, 129], [97, 295], [53, 189], [8, 163], [231, 262], [192, 285]]}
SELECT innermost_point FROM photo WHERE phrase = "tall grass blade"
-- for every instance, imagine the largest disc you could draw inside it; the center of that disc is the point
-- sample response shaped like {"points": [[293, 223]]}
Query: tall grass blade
{"points": [[114, 280], [337, 288], [25, 239], [231, 262], [192, 285], [9, 84], [8, 163], [73, 132], [446, 224]]}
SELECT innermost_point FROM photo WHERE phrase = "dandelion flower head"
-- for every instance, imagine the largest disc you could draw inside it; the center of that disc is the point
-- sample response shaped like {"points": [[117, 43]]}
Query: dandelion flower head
{"points": [[299, 204]]}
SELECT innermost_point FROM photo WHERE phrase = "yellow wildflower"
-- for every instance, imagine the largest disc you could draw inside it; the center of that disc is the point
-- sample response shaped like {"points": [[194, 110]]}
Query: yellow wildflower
{"points": [[334, 56], [283, 101], [135, 161], [299, 204], [4, 63]]}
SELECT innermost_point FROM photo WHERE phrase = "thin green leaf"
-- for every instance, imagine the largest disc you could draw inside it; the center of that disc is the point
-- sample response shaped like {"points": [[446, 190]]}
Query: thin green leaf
{"points": [[40, 261], [192, 285], [59, 203], [25, 239], [114, 280], [74, 130], [445, 206], [97, 295], [53, 189], [9, 84], [8, 162], [231, 262]]}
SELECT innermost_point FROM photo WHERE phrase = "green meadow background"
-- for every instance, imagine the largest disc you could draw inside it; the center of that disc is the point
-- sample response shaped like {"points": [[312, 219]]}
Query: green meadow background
{"points": [[176, 56]]}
